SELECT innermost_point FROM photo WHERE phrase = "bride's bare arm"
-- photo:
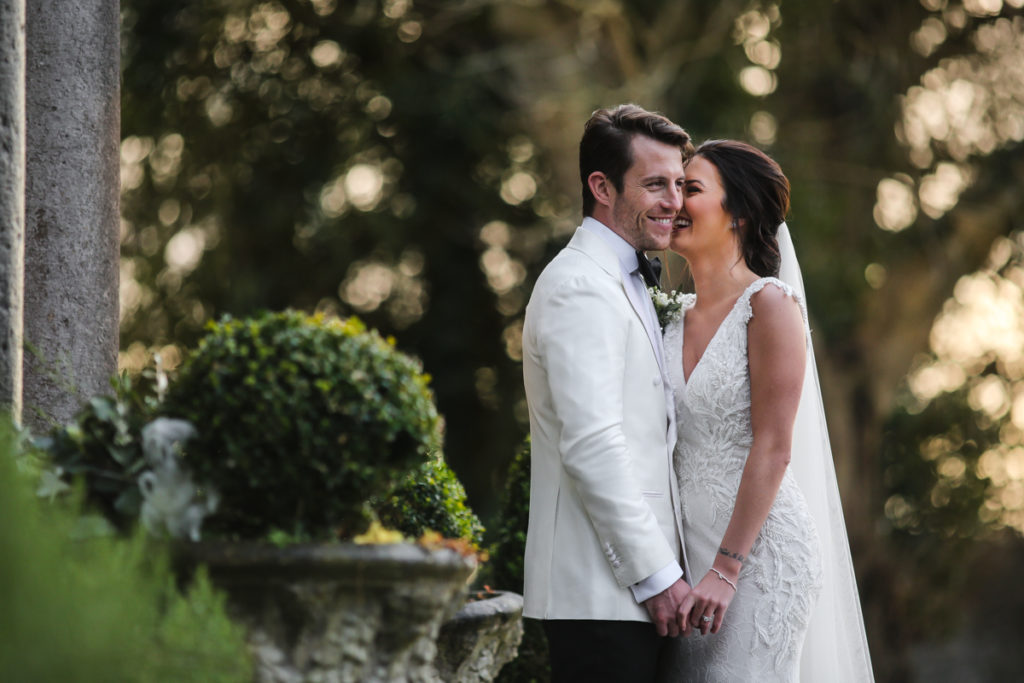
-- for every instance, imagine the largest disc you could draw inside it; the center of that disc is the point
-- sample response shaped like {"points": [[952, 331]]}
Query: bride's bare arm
{"points": [[777, 356]]}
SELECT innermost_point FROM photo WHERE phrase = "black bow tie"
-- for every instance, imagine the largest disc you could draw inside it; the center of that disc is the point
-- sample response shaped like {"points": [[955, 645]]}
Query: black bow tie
{"points": [[649, 269]]}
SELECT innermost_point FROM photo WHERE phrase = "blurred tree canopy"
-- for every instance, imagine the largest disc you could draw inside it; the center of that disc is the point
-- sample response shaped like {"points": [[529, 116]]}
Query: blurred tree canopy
{"points": [[414, 162]]}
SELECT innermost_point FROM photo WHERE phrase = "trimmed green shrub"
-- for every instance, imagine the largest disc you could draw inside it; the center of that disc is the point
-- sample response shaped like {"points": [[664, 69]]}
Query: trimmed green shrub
{"points": [[301, 420], [431, 498], [100, 609]]}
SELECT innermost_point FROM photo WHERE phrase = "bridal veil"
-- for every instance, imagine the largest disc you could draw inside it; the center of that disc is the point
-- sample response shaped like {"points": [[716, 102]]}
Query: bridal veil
{"points": [[836, 647]]}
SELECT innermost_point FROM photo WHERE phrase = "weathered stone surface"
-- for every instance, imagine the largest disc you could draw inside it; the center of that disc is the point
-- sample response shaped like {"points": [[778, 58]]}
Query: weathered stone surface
{"points": [[481, 638], [72, 186], [340, 612], [12, 200]]}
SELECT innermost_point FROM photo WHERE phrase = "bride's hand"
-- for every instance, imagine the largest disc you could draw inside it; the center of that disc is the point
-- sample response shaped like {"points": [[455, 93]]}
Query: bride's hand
{"points": [[711, 599]]}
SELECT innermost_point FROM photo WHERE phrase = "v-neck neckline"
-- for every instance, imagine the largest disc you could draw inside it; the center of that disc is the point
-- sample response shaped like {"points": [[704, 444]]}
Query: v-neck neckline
{"points": [[682, 336]]}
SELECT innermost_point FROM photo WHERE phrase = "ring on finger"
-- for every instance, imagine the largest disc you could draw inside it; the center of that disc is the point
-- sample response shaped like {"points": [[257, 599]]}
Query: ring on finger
{"points": [[706, 619]]}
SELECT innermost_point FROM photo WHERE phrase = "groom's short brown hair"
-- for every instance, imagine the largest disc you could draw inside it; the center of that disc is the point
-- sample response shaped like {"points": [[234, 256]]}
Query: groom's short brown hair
{"points": [[606, 143]]}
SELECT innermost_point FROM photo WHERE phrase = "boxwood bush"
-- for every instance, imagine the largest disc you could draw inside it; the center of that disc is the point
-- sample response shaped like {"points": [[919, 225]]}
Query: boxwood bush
{"points": [[301, 420], [431, 498]]}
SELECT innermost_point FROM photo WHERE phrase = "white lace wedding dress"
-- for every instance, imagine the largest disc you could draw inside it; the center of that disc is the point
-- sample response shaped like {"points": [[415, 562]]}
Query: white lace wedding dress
{"points": [[764, 629]]}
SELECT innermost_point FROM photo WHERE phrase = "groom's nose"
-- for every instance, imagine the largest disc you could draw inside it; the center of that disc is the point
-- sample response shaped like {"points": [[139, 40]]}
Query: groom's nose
{"points": [[673, 199]]}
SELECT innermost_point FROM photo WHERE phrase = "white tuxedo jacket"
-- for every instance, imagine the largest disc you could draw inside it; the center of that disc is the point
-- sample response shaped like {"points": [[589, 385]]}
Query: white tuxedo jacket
{"points": [[603, 508]]}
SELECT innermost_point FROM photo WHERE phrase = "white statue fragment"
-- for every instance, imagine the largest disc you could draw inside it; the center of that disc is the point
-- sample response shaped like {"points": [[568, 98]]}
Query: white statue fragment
{"points": [[171, 500]]}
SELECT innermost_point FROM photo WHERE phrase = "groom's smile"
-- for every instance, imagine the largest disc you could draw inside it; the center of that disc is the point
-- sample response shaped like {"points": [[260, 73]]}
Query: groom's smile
{"points": [[681, 223], [660, 225]]}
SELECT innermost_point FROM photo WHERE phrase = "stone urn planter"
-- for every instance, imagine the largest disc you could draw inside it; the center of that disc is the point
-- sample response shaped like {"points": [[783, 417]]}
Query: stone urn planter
{"points": [[481, 638], [337, 612]]}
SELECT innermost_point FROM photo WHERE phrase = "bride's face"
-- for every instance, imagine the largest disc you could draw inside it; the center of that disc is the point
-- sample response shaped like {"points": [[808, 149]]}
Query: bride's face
{"points": [[703, 224]]}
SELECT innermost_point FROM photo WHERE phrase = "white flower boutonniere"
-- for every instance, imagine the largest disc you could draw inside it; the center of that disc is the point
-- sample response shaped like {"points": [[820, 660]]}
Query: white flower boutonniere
{"points": [[668, 305]]}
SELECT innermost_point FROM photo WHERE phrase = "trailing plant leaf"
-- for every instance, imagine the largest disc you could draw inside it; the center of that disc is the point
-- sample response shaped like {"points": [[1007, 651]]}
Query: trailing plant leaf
{"points": [[102, 446], [431, 498]]}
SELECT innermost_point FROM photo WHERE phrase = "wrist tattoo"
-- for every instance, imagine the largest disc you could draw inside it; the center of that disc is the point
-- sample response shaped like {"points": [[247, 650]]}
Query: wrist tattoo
{"points": [[728, 553]]}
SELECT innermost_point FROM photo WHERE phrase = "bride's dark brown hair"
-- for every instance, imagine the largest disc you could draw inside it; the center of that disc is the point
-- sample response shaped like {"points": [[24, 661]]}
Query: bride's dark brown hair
{"points": [[757, 196]]}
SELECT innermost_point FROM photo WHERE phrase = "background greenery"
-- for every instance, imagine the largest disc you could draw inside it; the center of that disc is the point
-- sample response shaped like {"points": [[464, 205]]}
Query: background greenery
{"points": [[78, 606], [413, 161]]}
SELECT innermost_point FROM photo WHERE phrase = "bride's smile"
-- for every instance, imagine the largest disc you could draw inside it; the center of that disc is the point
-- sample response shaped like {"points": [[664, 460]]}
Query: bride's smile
{"points": [[703, 224]]}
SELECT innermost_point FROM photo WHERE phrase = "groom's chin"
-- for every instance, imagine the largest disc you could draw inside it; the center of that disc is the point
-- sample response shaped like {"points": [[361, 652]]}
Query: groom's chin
{"points": [[658, 242]]}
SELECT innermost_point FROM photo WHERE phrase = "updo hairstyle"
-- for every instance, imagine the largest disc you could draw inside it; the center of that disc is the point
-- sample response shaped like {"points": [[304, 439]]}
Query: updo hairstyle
{"points": [[757, 196]]}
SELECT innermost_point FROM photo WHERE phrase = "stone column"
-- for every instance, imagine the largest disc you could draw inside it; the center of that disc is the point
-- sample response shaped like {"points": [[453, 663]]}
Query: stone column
{"points": [[72, 173], [12, 201]]}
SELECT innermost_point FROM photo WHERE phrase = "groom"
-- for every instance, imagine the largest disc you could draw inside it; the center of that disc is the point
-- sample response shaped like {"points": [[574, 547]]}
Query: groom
{"points": [[604, 564]]}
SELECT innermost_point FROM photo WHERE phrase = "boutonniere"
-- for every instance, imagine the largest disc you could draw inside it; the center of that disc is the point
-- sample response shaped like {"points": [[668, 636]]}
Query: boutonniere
{"points": [[668, 305]]}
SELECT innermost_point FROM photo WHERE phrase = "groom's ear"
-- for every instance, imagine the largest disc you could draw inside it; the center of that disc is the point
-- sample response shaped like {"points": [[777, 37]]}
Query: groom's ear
{"points": [[601, 187]]}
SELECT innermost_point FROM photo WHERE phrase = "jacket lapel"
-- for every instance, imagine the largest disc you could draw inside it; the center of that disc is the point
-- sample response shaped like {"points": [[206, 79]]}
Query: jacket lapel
{"points": [[592, 245]]}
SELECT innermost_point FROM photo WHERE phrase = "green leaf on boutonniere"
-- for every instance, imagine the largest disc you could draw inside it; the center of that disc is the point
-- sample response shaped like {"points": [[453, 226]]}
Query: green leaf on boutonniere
{"points": [[668, 305]]}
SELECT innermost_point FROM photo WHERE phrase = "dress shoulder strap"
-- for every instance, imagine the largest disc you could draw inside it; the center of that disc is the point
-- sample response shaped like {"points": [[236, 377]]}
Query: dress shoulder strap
{"points": [[757, 285]]}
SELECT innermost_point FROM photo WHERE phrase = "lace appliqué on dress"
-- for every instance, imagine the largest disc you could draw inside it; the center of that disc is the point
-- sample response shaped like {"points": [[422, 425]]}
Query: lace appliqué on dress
{"points": [[764, 629]]}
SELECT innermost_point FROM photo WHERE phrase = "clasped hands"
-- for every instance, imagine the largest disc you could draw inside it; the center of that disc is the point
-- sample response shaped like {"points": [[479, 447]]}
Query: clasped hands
{"points": [[681, 610]]}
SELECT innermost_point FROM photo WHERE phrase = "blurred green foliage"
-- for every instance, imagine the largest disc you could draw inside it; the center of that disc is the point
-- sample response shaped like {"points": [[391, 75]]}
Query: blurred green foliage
{"points": [[931, 470], [431, 498], [86, 608], [505, 570], [935, 493], [301, 420]]}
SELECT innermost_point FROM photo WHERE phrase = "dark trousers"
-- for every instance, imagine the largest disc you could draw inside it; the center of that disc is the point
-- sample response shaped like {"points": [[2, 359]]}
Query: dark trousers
{"points": [[595, 650]]}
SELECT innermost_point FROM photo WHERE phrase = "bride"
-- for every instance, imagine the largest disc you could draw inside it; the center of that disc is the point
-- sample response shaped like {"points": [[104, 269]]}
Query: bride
{"points": [[775, 597]]}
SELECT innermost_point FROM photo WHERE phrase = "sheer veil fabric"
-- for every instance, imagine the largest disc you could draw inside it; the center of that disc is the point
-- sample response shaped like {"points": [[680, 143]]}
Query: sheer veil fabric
{"points": [[836, 647]]}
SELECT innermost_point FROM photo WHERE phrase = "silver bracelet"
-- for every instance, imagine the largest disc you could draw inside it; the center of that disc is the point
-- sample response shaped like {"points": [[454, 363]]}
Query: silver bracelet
{"points": [[722, 577]]}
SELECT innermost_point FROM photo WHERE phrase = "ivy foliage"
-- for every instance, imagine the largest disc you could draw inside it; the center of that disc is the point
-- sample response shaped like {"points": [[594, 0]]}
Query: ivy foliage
{"points": [[102, 447], [431, 498], [301, 420]]}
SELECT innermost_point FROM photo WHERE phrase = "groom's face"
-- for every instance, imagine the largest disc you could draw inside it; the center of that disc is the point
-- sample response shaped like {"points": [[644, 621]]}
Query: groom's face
{"points": [[652, 194]]}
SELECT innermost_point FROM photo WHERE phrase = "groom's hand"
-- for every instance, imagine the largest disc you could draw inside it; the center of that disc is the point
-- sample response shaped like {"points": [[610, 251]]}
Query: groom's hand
{"points": [[664, 606]]}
